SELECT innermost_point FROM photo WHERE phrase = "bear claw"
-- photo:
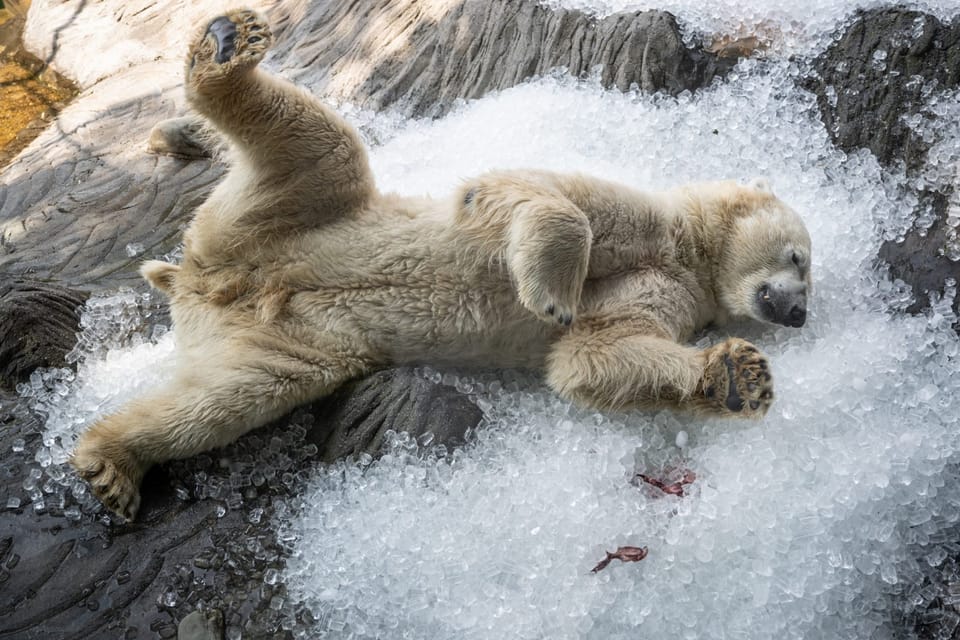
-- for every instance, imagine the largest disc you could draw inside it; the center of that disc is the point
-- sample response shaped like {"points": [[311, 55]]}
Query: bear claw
{"points": [[740, 369], [111, 482], [230, 44], [225, 32]]}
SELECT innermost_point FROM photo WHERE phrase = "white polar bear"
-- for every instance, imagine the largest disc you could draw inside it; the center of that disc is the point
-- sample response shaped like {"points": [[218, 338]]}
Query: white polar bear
{"points": [[299, 275]]}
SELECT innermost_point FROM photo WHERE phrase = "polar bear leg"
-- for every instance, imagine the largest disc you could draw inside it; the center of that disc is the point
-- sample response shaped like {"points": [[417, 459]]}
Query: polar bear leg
{"points": [[203, 408], [622, 367], [544, 237], [283, 133]]}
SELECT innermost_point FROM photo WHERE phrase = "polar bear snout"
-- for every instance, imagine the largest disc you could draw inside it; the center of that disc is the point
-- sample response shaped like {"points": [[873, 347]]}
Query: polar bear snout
{"points": [[781, 303]]}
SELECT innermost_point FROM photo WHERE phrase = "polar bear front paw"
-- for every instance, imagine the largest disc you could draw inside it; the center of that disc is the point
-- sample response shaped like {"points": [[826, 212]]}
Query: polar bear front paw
{"points": [[113, 477], [736, 380], [231, 43]]}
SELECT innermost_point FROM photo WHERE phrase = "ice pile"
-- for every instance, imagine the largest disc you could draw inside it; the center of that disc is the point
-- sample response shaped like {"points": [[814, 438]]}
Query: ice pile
{"points": [[823, 521]]}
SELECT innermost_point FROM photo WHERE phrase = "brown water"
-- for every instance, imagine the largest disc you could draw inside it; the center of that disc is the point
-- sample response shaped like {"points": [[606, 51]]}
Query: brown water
{"points": [[31, 94]]}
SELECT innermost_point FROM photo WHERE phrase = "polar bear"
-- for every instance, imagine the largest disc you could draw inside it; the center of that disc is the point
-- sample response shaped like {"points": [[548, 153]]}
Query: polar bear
{"points": [[298, 275]]}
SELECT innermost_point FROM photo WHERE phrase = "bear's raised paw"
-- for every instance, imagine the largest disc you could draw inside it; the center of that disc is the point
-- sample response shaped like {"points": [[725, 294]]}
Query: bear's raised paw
{"points": [[230, 44], [736, 380]]}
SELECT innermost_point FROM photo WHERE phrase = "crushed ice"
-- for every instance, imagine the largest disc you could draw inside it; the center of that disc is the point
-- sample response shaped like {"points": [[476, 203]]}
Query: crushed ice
{"points": [[794, 27], [834, 517]]}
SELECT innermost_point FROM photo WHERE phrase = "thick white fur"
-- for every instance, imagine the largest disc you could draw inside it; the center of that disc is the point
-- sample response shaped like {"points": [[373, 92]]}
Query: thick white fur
{"points": [[299, 275]]}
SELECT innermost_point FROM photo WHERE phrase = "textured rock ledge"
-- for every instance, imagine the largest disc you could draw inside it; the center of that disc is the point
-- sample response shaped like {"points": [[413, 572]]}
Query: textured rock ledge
{"points": [[38, 326], [871, 84], [425, 55]]}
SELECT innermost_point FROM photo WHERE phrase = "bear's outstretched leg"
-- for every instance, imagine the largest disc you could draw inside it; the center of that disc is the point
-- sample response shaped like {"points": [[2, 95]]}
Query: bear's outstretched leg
{"points": [[282, 133], [544, 238], [622, 367], [203, 408]]}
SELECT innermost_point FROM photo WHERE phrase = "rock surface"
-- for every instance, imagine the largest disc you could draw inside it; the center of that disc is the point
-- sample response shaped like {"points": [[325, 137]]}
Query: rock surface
{"points": [[875, 80], [38, 326], [425, 55], [883, 68]]}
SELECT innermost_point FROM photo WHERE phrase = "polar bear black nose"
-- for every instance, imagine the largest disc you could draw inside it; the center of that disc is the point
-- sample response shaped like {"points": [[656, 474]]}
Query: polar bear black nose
{"points": [[781, 304], [797, 316]]}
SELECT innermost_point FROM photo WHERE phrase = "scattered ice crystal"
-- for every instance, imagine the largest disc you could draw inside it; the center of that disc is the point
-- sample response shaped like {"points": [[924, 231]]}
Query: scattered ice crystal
{"points": [[134, 249]]}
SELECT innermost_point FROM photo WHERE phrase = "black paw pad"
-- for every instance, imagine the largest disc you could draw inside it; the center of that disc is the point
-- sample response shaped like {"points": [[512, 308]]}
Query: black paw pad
{"points": [[734, 402], [225, 32]]}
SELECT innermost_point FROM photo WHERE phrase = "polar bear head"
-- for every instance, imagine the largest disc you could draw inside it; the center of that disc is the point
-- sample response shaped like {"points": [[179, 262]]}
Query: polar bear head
{"points": [[764, 262]]}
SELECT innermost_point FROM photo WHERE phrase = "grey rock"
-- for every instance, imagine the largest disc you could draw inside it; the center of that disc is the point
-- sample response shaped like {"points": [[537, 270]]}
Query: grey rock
{"points": [[871, 103], [871, 98], [38, 326], [384, 54], [920, 261], [397, 400], [201, 625]]}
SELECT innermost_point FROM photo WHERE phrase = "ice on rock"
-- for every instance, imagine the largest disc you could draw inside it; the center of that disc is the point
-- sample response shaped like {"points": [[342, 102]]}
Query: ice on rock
{"points": [[794, 27], [134, 249]]}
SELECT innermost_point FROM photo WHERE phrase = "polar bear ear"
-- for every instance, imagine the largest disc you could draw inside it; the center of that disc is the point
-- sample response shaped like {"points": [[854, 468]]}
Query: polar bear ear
{"points": [[761, 183]]}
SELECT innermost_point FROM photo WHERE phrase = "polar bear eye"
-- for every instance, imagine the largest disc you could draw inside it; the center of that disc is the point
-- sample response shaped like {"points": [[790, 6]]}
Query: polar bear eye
{"points": [[796, 259]]}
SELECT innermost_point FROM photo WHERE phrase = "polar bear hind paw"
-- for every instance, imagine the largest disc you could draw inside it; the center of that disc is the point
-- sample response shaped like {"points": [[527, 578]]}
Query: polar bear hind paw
{"points": [[551, 295], [737, 380], [549, 272], [113, 482], [232, 42]]}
